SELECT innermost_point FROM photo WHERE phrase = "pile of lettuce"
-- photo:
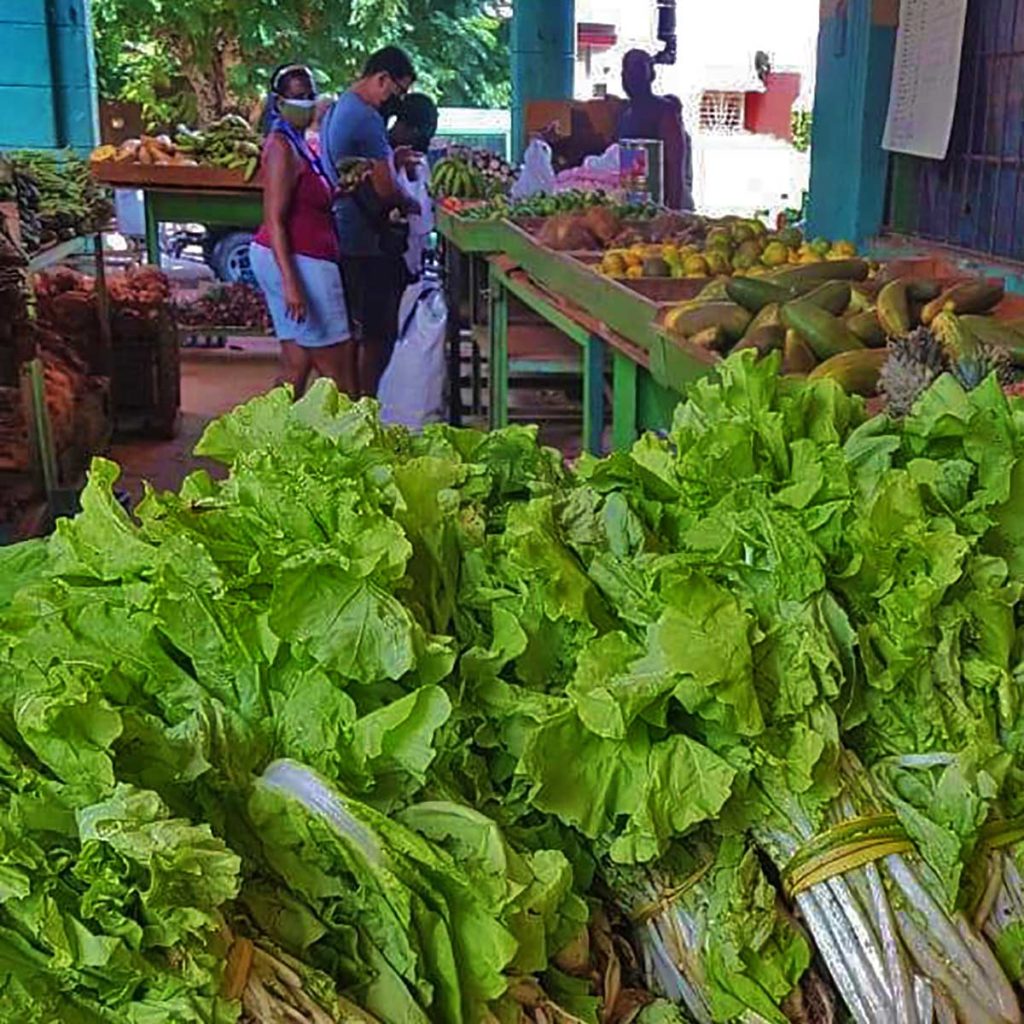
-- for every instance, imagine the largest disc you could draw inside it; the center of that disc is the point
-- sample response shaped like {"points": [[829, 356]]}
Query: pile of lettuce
{"points": [[413, 711]]}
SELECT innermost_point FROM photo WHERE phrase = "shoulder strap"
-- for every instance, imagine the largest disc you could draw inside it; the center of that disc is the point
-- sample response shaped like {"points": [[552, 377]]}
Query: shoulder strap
{"points": [[425, 293]]}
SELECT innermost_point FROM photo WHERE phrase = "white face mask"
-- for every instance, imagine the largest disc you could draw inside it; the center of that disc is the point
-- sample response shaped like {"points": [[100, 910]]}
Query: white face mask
{"points": [[299, 113]]}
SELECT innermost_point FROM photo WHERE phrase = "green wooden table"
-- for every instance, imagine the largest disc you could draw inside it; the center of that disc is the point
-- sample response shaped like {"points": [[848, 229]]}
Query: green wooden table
{"points": [[212, 207], [467, 243], [616, 327]]}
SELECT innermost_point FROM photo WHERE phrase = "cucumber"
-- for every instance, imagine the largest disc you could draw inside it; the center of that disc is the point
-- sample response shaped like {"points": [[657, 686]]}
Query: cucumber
{"points": [[731, 318], [923, 289], [866, 327], [765, 339], [856, 372], [966, 297], [833, 296], [712, 338], [770, 316], [826, 335], [860, 300], [995, 333], [754, 293], [835, 270], [894, 309], [797, 357]]}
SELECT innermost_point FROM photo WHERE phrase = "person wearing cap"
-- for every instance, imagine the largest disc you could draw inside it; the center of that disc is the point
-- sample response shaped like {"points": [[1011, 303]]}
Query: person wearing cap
{"points": [[658, 117], [295, 253]]}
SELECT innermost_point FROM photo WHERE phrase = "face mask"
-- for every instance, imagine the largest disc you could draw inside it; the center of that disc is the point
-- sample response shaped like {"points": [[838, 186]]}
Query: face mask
{"points": [[299, 113]]}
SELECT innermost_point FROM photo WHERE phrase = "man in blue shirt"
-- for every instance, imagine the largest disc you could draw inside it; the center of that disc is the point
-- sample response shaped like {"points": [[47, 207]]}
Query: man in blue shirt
{"points": [[374, 272]]}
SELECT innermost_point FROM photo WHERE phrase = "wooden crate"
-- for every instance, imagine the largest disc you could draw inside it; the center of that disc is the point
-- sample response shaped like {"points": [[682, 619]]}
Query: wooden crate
{"points": [[146, 377]]}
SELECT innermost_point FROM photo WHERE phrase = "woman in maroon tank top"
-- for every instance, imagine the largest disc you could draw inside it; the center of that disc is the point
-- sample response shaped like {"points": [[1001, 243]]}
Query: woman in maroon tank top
{"points": [[295, 253]]}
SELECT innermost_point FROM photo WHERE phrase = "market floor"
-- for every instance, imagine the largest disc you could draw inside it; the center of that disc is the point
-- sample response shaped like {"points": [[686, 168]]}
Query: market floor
{"points": [[213, 381]]}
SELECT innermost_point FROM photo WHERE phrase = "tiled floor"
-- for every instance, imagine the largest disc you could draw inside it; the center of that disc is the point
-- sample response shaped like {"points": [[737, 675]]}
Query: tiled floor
{"points": [[213, 381]]}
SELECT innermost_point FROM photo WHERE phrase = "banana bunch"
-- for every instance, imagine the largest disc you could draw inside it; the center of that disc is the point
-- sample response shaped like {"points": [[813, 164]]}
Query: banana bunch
{"points": [[455, 179], [231, 143]]}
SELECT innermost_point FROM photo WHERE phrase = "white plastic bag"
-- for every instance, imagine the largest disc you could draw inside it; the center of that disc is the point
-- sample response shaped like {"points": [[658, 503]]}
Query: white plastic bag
{"points": [[538, 173], [412, 390], [421, 225]]}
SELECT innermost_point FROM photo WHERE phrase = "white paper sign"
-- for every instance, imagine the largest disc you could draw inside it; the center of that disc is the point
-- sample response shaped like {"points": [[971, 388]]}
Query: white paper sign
{"points": [[925, 77]]}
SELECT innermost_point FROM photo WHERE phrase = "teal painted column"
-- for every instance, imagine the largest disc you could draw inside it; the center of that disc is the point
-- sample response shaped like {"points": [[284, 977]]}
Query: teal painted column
{"points": [[849, 168], [543, 58], [47, 75]]}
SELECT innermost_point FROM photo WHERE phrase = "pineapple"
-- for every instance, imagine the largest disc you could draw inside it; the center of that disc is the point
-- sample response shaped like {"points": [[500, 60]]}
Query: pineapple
{"points": [[918, 360], [914, 364]]}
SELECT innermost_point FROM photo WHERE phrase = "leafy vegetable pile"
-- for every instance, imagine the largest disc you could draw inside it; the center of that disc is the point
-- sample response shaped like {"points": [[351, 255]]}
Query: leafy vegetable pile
{"points": [[395, 717]]}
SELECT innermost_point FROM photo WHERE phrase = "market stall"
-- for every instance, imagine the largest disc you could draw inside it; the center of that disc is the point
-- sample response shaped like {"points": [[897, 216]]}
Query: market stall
{"points": [[202, 177]]}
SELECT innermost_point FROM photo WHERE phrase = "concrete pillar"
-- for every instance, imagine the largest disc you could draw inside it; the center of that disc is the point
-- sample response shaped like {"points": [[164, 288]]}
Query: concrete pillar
{"points": [[543, 58], [849, 168]]}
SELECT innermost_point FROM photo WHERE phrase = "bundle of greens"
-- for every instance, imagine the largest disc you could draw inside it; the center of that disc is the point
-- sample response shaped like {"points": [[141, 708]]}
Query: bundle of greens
{"points": [[414, 708], [713, 933], [286, 612]]}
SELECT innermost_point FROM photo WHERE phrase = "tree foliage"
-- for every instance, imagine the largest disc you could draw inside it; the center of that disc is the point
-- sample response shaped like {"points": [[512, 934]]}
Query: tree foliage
{"points": [[211, 56]]}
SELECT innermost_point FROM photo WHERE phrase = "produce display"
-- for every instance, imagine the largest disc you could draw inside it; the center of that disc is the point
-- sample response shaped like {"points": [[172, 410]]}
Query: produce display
{"points": [[56, 196], [830, 320], [570, 201], [225, 305], [464, 173], [230, 143], [139, 292], [438, 727], [731, 246], [13, 301]]}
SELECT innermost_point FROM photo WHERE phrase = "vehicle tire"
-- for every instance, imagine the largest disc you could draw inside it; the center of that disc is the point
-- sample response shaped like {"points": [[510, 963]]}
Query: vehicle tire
{"points": [[230, 258]]}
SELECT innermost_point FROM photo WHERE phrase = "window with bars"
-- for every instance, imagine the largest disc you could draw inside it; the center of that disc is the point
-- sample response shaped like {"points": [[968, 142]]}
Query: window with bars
{"points": [[721, 112], [974, 199]]}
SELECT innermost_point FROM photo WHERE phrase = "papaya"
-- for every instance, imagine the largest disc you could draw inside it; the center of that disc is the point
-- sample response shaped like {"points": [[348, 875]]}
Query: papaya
{"points": [[923, 289], [856, 372], [828, 270], [995, 333], [797, 357], [826, 335], [754, 293], [966, 297], [765, 339], [894, 309], [833, 296], [866, 327], [732, 319]]}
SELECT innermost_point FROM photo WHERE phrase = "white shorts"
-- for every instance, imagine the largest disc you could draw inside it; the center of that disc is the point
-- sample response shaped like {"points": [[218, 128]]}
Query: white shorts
{"points": [[326, 320]]}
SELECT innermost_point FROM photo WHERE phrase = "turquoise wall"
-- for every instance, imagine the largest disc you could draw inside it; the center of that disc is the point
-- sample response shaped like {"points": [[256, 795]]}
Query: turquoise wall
{"points": [[47, 75], [849, 168], [543, 58]]}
